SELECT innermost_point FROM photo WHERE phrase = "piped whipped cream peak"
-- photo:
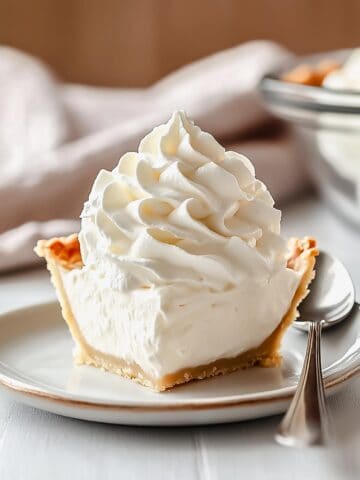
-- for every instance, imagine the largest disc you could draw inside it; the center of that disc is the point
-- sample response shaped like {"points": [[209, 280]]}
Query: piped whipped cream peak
{"points": [[348, 77], [182, 210]]}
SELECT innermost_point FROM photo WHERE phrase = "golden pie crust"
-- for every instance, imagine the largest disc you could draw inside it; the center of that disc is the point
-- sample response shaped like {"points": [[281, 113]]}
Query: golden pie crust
{"points": [[64, 253], [312, 75]]}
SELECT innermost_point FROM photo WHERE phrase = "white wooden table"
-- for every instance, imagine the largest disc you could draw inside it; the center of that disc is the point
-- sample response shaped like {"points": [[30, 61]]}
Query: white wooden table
{"points": [[38, 445]]}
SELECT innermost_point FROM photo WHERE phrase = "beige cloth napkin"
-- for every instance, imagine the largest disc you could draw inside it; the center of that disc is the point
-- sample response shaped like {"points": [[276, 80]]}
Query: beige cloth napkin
{"points": [[54, 138]]}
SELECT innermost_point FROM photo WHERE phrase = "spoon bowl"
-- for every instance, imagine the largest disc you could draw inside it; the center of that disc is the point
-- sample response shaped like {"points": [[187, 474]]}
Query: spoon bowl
{"points": [[331, 297]]}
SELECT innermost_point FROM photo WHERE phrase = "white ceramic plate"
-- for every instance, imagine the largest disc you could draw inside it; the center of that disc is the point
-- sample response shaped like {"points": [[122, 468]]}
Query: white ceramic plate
{"points": [[36, 368]]}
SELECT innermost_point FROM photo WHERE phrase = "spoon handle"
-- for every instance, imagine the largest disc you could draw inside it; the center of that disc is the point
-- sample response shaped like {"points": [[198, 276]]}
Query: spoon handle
{"points": [[304, 421]]}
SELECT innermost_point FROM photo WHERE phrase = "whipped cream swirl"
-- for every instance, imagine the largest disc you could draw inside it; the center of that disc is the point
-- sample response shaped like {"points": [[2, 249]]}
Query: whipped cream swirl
{"points": [[182, 210], [347, 77]]}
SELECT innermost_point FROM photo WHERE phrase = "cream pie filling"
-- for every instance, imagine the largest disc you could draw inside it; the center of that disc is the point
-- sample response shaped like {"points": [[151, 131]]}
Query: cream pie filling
{"points": [[183, 259]]}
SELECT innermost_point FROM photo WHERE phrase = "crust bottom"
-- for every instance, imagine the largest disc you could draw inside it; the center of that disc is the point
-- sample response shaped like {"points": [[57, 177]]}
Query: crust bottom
{"points": [[301, 258]]}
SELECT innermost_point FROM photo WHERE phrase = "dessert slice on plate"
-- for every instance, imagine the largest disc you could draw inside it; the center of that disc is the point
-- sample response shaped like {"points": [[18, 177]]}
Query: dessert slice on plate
{"points": [[179, 271]]}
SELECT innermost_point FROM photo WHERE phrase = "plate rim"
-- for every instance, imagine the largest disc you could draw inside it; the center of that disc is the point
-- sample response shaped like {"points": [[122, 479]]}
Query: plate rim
{"points": [[332, 381]]}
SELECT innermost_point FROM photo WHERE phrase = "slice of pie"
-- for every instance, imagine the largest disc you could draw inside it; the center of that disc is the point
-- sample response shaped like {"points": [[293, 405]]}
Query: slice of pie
{"points": [[179, 271]]}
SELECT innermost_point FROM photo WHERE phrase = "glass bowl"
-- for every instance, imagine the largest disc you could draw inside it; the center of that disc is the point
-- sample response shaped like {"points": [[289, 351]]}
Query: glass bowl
{"points": [[328, 125]]}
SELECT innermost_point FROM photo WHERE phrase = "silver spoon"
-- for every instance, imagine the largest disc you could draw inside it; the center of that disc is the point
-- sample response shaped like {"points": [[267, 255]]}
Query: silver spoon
{"points": [[331, 299]]}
